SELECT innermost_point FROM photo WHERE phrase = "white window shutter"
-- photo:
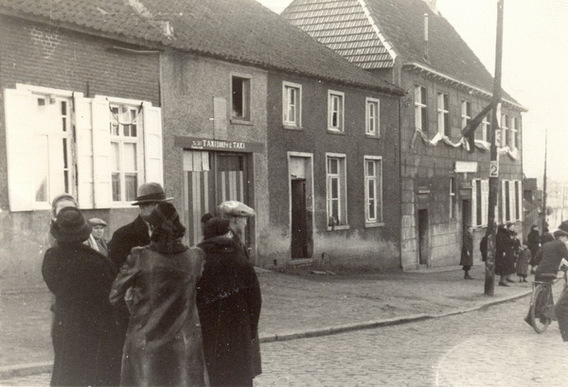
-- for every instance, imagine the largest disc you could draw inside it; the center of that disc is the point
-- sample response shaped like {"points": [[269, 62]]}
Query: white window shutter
{"points": [[513, 200], [101, 152], [474, 204], [85, 159], [484, 201], [503, 203], [18, 109], [153, 144]]}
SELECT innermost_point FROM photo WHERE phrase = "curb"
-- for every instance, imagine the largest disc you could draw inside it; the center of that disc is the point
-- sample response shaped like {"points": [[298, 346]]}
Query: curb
{"points": [[21, 370]]}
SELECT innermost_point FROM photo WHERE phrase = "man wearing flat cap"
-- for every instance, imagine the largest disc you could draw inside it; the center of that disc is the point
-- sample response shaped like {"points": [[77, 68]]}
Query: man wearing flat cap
{"points": [[237, 213]]}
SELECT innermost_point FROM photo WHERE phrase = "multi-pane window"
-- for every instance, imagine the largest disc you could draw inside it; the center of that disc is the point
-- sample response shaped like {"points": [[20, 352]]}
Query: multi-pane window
{"points": [[292, 104], [480, 202], [240, 98], [453, 199], [372, 117], [125, 124], [504, 130], [420, 108], [335, 111], [52, 172], [336, 190], [465, 113], [443, 114], [373, 190], [511, 200], [514, 130]]}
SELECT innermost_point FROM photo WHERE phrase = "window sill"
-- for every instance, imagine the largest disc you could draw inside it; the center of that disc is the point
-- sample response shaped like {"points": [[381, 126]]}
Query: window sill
{"points": [[236, 121], [334, 131], [373, 136], [338, 228], [291, 127], [374, 225]]}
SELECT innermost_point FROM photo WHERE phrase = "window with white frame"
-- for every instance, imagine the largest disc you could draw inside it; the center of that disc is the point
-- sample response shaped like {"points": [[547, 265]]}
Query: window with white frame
{"points": [[373, 189], [125, 155], [292, 104], [98, 149], [336, 191], [240, 98], [420, 108], [504, 130], [453, 199], [480, 202], [485, 127], [465, 113], [443, 114], [335, 111], [372, 117], [514, 130]]}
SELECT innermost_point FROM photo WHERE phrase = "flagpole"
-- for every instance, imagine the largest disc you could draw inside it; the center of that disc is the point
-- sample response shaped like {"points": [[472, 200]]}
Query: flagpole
{"points": [[494, 162]]}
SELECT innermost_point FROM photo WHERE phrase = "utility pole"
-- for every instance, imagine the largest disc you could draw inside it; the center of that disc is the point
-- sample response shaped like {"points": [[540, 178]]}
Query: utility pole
{"points": [[494, 162]]}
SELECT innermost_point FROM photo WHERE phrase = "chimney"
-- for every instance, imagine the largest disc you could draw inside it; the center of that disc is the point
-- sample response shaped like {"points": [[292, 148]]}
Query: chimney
{"points": [[426, 36]]}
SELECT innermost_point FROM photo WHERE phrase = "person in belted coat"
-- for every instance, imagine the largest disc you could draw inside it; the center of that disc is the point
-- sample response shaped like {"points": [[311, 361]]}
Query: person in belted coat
{"points": [[84, 330], [134, 234], [467, 253], [229, 303], [163, 344]]}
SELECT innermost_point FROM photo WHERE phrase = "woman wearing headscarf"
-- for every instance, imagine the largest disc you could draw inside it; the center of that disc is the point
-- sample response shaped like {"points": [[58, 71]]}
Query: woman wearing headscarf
{"points": [[229, 302], [163, 343], [83, 330]]}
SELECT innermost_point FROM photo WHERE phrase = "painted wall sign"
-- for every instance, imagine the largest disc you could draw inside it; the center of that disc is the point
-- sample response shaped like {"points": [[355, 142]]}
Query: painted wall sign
{"points": [[220, 145]]}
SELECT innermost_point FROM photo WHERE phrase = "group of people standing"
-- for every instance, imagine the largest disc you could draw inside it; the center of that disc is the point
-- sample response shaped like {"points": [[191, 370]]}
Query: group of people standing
{"points": [[154, 311], [511, 255]]}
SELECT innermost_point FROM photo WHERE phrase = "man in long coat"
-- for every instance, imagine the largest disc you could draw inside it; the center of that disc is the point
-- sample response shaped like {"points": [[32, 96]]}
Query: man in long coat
{"points": [[467, 253]]}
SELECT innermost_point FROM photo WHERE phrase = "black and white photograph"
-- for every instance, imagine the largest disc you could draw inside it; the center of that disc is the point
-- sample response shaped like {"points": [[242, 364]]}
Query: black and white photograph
{"points": [[255, 193]]}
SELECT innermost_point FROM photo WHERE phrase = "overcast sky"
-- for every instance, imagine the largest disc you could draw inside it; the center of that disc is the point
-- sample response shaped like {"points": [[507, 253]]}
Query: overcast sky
{"points": [[535, 67]]}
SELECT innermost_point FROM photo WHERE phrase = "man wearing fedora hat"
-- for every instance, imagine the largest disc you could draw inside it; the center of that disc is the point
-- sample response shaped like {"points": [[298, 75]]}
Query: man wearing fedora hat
{"points": [[137, 232]]}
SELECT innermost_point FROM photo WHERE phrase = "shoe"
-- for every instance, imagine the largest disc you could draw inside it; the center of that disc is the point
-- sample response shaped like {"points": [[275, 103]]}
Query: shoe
{"points": [[503, 284], [510, 280], [468, 277]]}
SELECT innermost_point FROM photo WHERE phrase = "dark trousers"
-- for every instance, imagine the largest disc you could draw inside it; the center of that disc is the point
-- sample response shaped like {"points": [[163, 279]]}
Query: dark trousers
{"points": [[561, 309]]}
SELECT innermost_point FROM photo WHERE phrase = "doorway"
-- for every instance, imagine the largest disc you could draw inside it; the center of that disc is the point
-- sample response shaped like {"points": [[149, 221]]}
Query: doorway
{"points": [[466, 214], [423, 238], [209, 179], [301, 205]]}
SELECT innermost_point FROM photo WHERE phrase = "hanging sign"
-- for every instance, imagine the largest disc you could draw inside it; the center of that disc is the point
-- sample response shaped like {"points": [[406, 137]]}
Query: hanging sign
{"points": [[494, 168]]}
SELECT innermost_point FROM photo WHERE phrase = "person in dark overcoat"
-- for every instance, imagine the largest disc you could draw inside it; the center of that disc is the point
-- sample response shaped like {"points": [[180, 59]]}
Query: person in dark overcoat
{"points": [[504, 255], [467, 252], [84, 330], [229, 303], [533, 240], [134, 234], [523, 262], [163, 344]]}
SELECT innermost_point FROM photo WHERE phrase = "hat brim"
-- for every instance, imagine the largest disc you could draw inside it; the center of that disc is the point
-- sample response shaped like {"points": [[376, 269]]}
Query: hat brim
{"points": [[138, 202]]}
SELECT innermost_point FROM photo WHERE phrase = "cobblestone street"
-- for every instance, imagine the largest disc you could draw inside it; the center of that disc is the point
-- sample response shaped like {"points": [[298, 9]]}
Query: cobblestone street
{"points": [[490, 347]]}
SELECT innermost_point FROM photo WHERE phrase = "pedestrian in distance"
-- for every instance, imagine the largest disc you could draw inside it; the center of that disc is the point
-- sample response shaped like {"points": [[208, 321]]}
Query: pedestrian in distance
{"points": [[84, 329], [467, 252], [483, 247], [533, 240], [523, 262], [98, 225], [504, 255], [163, 344], [229, 303]]}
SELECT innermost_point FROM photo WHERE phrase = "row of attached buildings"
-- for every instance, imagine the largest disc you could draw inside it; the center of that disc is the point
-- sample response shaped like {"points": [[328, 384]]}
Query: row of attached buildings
{"points": [[346, 142]]}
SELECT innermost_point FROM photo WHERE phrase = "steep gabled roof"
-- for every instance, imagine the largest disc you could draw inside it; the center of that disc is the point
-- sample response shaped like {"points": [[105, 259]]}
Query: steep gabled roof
{"points": [[235, 30], [371, 33]]}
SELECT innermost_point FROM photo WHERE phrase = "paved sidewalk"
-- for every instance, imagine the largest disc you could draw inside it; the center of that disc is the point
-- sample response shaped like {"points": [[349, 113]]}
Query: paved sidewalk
{"points": [[293, 307]]}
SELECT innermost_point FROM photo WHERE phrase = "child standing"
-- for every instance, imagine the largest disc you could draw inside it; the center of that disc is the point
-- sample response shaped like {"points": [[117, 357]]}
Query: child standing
{"points": [[523, 262]]}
